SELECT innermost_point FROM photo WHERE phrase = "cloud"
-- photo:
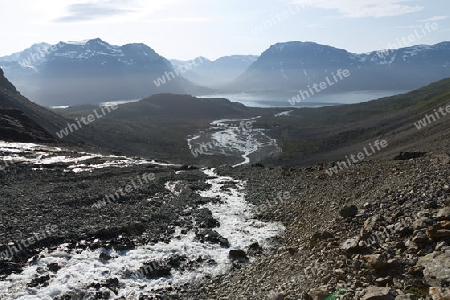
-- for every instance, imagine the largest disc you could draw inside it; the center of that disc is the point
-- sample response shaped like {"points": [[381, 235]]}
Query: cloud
{"points": [[363, 8], [182, 19], [100, 9], [405, 27], [435, 18], [92, 11]]}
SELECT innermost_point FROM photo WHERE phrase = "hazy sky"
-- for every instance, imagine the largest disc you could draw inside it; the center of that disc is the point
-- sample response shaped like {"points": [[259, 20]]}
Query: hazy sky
{"points": [[185, 29]]}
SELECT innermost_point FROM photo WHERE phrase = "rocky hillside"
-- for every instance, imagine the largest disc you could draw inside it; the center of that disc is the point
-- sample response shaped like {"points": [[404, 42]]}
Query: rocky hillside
{"points": [[15, 124], [311, 135], [17, 127], [380, 230]]}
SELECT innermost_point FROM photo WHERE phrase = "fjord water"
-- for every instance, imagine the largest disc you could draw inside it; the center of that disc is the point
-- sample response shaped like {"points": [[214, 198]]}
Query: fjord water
{"points": [[281, 99]]}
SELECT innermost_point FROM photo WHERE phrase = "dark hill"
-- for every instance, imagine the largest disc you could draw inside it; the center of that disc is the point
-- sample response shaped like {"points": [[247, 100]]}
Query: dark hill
{"points": [[15, 125], [310, 135], [157, 126]]}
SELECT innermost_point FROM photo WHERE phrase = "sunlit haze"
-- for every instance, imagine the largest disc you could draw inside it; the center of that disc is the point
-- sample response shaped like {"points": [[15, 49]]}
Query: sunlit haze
{"points": [[187, 29]]}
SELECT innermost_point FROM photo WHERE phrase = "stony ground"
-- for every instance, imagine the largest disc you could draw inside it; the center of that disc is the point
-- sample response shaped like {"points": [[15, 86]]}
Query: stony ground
{"points": [[379, 230]]}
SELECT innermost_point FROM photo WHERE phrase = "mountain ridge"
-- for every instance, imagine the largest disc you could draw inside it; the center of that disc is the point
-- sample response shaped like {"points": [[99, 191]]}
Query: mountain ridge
{"points": [[92, 72], [295, 65]]}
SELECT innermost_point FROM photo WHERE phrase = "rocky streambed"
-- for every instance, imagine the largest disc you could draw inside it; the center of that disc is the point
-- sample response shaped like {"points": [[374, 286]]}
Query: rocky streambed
{"points": [[378, 230], [78, 225]]}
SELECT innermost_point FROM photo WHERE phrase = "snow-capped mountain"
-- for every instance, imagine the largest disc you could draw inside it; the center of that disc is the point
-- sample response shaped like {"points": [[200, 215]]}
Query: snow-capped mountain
{"points": [[217, 72], [30, 57], [295, 65], [91, 71]]}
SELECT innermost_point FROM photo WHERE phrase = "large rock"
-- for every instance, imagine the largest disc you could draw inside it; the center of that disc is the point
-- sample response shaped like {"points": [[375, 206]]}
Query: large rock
{"points": [[409, 155], [319, 293], [436, 232], [376, 261], [437, 268], [422, 223], [444, 214], [349, 211], [212, 236], [154, 269], [379, 293], [444, 224], [353, 245], [440, 293], [238, 255]]}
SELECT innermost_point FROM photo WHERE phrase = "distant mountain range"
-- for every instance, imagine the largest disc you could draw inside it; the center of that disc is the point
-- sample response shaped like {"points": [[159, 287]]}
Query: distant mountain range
{"points": [[297, 65], [92, 72], [215, 73]]}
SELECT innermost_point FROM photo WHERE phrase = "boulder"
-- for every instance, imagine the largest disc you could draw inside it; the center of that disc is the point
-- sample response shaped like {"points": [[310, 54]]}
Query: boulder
{"points": [[238, 255], [255, 249], [436, 232], [275, 296], [420, 238], [422, 223], [349, 211], [437, 268], [444, 224], [409, 155], [440, 293], [376, 261], [352, 245], [443, 214], [154, 269], [212, 236], [379, 293], [319, 293]]}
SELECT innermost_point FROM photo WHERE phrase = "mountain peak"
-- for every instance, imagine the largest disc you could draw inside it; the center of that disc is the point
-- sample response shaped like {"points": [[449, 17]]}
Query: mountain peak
{"points": [[86, 42], [298, 45], [97, 40]]}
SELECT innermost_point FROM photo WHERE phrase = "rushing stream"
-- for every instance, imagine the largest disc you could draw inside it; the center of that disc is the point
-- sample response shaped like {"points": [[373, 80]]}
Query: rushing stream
{"points": [[80, 268]]}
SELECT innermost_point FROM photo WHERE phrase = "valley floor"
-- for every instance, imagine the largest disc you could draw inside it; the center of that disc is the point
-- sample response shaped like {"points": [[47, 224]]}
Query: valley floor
{"points": [[380, 228]]}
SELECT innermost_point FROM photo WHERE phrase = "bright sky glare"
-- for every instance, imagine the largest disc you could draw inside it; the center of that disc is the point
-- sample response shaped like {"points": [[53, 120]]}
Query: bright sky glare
{"points": [[185, 29]]}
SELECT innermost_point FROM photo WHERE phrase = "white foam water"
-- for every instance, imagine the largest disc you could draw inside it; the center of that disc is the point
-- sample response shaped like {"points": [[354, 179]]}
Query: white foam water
{"points": [[80, 268], [30, 153], [233, 137]]}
